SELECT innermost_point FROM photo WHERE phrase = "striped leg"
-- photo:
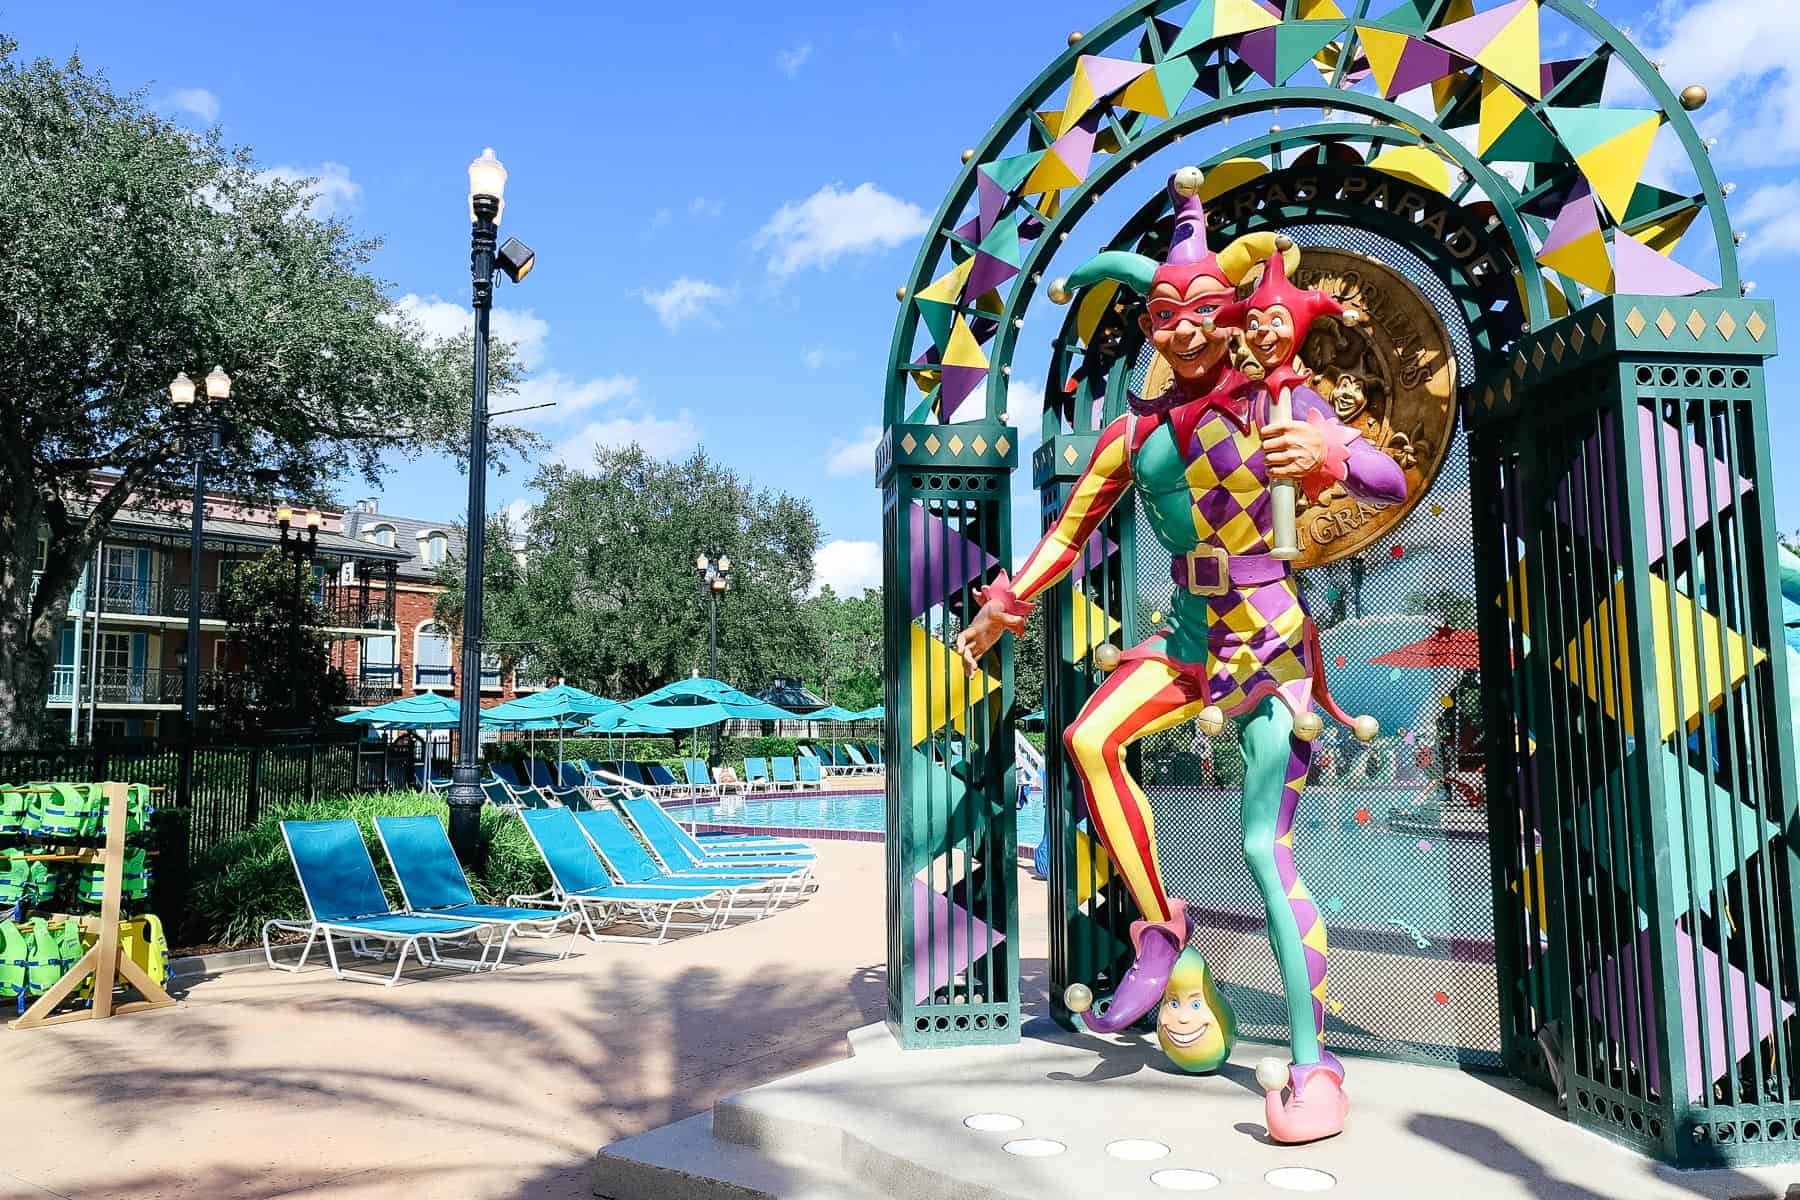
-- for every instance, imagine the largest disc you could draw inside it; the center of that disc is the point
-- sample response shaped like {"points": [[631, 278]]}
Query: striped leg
{"points": [[1275, 767], [1143, 696]]}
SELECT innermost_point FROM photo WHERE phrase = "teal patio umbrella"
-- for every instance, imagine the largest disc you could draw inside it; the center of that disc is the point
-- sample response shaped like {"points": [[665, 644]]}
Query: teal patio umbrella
{"points": [[699, 702], [428, 710], [560, 708]]}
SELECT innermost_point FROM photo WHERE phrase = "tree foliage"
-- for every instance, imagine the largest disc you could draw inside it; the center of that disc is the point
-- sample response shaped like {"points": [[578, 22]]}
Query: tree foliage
{"points": [[846, 670], [136, 250], [287, 680], [608, 594]]}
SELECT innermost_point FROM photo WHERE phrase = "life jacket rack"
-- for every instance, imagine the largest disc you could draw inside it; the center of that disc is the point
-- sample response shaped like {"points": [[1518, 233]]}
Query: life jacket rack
{"points": [[105, 963]]}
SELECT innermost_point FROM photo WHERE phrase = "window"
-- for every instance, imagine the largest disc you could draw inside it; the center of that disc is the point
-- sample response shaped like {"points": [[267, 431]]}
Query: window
{"points": [[490, 672], [43, 554], [120, 586], [434, 547], [226, 567], [378, 662], [381, 535], [431, 658]]}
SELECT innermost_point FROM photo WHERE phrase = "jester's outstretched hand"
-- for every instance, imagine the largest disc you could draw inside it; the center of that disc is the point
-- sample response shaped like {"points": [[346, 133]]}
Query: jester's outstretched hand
{"points": [[1239, 641]]}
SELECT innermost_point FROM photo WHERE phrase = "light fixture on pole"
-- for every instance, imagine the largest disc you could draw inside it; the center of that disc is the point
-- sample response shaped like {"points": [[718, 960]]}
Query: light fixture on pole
{"points": [[715, 581], [202, 438], [487, 200]]}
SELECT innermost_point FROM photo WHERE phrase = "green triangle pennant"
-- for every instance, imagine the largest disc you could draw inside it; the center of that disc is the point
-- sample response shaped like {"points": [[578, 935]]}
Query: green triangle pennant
{"points": [[1008, 173], [1297, 42], [1585, 129]]}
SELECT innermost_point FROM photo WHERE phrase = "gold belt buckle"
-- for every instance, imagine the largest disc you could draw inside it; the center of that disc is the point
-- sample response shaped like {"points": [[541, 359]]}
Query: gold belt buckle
{"points": [[1216, 554]]}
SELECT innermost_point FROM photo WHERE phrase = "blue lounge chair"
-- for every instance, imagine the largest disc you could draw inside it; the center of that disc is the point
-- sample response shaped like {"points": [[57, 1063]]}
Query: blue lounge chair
{"points": [[497, 794], [625, 857], [573, 775], [785, 779], [344, 899], [508, 774], [700, 780], [663, 781], [432, 883], [756, 771], [678, 851], [811, 776], [863, 765], [579, 883], [541, 774], [872, 752]]}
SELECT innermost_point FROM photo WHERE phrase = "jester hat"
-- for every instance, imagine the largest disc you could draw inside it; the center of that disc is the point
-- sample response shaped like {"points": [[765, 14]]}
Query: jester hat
{"points": [[1188, 258]]}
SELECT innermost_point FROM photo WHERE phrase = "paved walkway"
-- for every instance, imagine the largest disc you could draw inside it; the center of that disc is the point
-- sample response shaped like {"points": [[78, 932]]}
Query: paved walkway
{"points": [[264, 1084]]}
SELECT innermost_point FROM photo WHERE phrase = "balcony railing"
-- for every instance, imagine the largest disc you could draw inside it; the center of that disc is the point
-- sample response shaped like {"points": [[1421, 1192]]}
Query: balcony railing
{"points": [[433, 677], [341, 605], [142, 685]]}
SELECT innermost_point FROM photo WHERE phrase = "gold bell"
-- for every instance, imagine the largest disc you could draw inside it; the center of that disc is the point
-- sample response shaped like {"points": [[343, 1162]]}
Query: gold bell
{"points": [[967, 155], [1693, 96], [1076, 36], [1078, 997], [899, 293], [1366, 728], [1059, 292], [1188, 181], [1106, 656], [1211, 720], [1308, 726]]}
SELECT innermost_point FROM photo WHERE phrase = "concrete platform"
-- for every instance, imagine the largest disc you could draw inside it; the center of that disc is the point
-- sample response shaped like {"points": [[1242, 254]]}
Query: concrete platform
{"points": [[1106, 1118]]}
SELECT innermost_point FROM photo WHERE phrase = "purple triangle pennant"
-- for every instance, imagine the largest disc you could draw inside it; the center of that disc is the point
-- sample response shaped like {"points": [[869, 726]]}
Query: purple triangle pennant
{"points": [[1421, 63], [1553, 73], [957, 383], [970, 230], [1471, 35], [1076, 147], [1108, 75], [943, 560], [987, 274], [1579, 217], [990, 199], [1639, 270], [1257, 49]]}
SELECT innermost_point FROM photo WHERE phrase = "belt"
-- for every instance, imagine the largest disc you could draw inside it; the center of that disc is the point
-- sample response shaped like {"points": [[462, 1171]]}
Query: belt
{"points": [[1209, 571]]}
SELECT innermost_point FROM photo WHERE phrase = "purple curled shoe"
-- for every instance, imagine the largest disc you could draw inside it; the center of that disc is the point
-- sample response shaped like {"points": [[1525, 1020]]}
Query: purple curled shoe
{"points": [[1158, 944]]}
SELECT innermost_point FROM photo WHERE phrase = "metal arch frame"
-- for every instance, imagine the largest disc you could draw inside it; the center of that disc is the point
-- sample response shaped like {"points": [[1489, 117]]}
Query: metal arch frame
{"points": [[1140, 16]]}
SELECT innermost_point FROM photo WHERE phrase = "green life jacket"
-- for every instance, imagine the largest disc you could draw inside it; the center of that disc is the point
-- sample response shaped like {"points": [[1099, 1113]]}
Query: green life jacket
{"points": [[23, 883], [44, 961], [12, 964], [90, 885], [14, 804], [60, 811]]}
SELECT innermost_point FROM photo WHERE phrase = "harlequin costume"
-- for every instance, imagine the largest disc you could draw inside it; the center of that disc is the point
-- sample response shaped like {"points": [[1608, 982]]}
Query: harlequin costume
{"points": [[1238, 638]]}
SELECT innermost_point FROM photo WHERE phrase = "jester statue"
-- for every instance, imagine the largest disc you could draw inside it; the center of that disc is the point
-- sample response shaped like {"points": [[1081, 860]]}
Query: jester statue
{"points": [[1205, 456]]}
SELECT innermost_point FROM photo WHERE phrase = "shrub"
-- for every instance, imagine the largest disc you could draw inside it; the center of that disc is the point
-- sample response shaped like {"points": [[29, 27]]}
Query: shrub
{"points": [[247, 879]]}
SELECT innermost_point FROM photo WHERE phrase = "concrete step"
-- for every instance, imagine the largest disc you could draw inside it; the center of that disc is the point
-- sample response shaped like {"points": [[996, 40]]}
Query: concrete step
{"points": [[684, 1161]]}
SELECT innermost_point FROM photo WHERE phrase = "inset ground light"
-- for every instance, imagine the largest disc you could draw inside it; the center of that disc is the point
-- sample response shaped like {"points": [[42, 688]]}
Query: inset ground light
{"points": [[1184, 1179], [1300, 1179], [1034, 1147], [992, 1122], [1137, 1149]]}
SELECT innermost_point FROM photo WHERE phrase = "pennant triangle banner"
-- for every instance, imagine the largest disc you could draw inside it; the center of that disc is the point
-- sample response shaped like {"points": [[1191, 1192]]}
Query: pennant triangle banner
{"points": [[1508, 131], [1504, 40], [1416, 164], [1642, 271], [995, 262], [937, 302], [1401, 62], [1576, 244], [1215, 19], [1610, 146]]}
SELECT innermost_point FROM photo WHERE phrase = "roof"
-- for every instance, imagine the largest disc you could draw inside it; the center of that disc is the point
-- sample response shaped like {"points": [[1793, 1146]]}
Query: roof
{"points": [[407, 532], [173, 526]]}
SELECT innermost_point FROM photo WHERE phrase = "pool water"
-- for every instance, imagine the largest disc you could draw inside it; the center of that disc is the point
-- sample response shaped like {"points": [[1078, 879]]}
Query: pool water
{"points": [[1358, 871]]}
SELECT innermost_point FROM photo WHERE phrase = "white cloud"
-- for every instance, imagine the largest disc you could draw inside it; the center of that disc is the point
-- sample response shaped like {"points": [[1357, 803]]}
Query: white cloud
{"points": [[569, 396], [813, 358], [700, 206], [661, 438], [196, 102], [328, 186], [855, 457], [1744, 55], [441, 319], [833, 222], [518, 514], [789, 62], [848, 568], [683, 301], [659, 220], [1770, 217]]}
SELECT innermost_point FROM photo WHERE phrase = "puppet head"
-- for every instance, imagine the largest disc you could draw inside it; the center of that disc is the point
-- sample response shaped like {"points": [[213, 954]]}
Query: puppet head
{"points": [[1194, 1025], [1278, 315]]}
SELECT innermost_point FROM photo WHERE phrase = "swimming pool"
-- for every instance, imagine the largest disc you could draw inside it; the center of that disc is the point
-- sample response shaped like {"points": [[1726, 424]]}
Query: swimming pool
{"points": [[1358, 871]]}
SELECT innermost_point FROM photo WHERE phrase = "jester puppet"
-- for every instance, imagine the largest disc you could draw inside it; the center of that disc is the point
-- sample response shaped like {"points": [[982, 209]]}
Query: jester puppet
{"points": [[1205, 456]]}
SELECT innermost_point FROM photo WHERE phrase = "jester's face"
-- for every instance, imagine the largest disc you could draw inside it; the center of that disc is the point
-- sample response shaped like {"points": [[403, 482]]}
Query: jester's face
{"points": [[1179, 320], [1190, 1026], [1270, 332]]}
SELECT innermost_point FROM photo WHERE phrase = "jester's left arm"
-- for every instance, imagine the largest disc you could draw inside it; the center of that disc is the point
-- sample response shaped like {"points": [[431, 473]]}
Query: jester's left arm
{"points": [[1365, 472]]}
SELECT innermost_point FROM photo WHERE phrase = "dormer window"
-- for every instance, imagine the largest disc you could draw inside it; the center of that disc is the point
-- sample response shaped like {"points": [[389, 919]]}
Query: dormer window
{"points": [[381, 535], [434, 547]]}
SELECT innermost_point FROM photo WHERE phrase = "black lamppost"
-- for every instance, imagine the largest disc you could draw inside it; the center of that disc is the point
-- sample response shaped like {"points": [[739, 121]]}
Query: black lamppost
{"points": [[715, 581], [202, 439], [487, 192]]}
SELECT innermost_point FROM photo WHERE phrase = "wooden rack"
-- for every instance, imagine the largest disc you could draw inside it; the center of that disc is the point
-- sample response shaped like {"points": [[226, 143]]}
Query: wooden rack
{"points": [[104, 960]]}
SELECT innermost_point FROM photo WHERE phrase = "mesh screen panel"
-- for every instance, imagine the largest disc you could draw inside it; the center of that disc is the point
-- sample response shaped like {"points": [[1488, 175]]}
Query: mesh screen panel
{"points": [[1390, 837]]}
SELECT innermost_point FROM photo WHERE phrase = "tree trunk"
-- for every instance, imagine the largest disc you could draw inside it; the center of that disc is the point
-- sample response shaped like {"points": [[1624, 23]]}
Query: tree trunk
{"points": [[28, 630]]}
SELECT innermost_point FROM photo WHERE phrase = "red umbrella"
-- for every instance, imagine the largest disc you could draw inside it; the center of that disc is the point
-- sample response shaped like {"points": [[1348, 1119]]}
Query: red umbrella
{"points": [[1457, 648]]}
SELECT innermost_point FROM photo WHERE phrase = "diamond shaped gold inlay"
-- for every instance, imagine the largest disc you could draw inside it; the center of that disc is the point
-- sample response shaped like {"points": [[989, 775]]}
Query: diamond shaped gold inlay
{"points": [[1577, 339], [979, 445], [1506, 392], [1665, 322], [1598, 332], [1069, 455], [1001, 445], [1487, 397], [1725, 325], [1537, 356], [956, 444], [1557, 346], [1696, 324], [1519, 365], [1755, 326], [1634, 321], [909, 443], [932, 443]]}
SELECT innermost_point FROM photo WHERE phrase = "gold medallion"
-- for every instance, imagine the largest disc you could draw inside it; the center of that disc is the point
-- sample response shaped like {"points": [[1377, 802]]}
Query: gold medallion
{"points": [[1391, 377]]}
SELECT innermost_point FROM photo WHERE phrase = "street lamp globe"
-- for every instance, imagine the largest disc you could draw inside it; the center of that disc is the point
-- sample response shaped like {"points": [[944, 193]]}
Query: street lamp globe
{"points": [[218, 384], [181, 390], [724, 562], [701, 562], [487, 177]]}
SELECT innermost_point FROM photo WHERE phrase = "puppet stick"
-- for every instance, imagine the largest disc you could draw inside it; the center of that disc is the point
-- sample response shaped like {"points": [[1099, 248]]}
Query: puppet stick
{"points": [[1283, 497]]}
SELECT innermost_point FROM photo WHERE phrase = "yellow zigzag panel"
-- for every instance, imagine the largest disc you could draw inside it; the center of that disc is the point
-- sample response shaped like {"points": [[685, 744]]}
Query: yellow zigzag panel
{"points": [[1598, 655], [1092, 867], [1086, 617], [944, 695]]}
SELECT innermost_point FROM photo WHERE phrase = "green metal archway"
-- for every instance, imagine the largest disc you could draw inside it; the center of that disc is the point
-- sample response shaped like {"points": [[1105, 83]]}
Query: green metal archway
{"points": [[1640, 788]]}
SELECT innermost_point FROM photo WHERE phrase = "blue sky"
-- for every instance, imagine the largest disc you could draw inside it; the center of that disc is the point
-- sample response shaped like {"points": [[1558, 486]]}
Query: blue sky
{"points": [[724, 197]]}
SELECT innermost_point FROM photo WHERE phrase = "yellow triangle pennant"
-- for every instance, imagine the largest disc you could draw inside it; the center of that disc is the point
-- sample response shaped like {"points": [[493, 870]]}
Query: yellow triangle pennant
{"points": [[1229, 174], [1051, 174], [1584, 260], [1091, 625], [1081, 98], [1145, 95], [1383, 48], [1092, 310], [1612, 168], [1513, 53], [1500, 107], [1663, 235], [963, 350], [1318, 10], [1232, 17], [941, 688], [1416, 164], [947, 288]]}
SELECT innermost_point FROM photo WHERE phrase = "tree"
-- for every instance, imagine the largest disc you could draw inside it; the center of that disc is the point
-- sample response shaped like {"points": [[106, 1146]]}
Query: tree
{"points": [[136, 250], [608, 593], [847, 630], [287, 680]]}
